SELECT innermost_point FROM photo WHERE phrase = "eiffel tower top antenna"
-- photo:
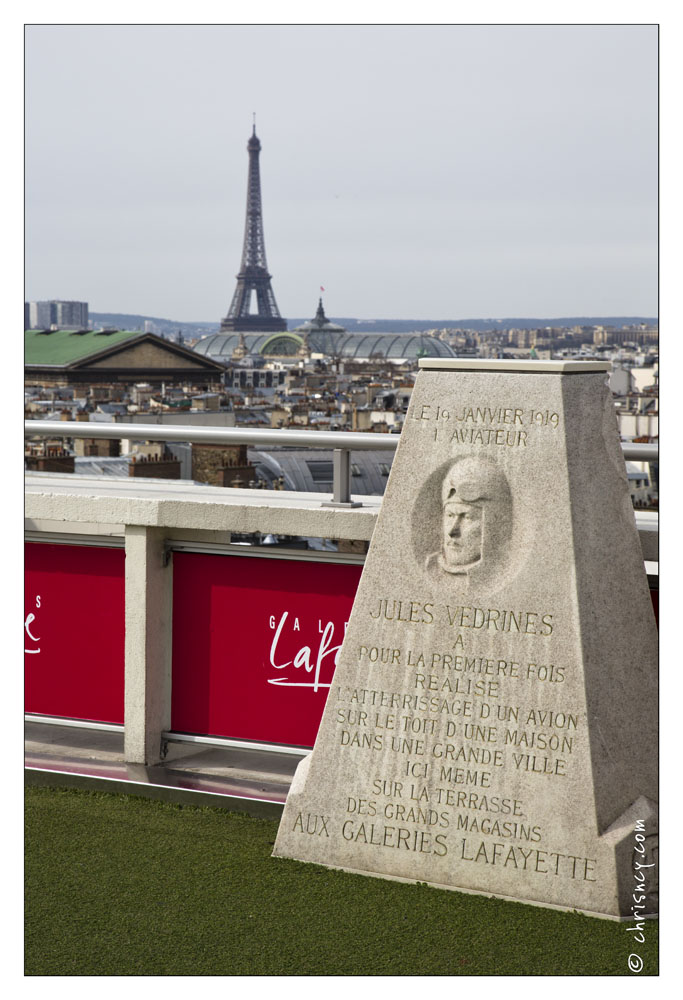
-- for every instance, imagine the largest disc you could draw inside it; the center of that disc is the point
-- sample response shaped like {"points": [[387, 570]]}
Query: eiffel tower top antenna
{"points": [[253, 280]]}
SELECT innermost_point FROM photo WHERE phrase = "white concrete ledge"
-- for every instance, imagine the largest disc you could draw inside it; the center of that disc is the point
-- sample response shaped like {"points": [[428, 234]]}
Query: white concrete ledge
{"points": [[80, 503], [173, 504]]}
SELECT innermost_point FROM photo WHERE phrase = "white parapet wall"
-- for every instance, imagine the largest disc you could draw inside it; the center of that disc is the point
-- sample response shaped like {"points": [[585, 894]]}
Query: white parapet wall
{"points": [[74, 500], [151, 518]]}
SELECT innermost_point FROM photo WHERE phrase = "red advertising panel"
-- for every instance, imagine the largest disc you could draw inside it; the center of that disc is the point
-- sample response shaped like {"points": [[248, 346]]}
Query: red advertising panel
{"points": [[74, 631], [255, 643]]}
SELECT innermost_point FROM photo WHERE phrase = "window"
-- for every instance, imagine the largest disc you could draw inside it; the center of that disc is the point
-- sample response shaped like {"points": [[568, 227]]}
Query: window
{"points": [[321, 472]]}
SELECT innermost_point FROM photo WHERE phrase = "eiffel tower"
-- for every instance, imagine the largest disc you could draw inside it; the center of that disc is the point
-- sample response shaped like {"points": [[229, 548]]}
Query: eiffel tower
{"points": [[253, 275]]}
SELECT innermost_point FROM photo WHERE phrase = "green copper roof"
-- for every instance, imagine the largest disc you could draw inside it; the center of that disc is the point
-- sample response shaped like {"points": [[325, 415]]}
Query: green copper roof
{"points": [[62, 347]]}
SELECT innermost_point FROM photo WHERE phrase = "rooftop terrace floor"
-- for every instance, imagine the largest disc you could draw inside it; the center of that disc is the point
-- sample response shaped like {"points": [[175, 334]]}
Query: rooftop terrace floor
{"points": [[246, 780]]}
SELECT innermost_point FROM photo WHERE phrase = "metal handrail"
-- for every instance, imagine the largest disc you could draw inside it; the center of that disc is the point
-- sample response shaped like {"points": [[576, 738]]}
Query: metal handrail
{"points": [[347, 440], [640, 452], [340, 442]]}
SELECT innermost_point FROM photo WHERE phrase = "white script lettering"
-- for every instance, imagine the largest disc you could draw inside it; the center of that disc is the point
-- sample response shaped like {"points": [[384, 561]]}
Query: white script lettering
{"points": [[303, 657]]}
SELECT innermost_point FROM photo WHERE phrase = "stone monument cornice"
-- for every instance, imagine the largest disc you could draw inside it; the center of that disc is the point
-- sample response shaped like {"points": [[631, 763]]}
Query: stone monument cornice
{"points": [[511, 365]]}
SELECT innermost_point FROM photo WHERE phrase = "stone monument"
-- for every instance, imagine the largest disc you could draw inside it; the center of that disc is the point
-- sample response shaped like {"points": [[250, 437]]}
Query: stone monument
{"points": [[492, 722]]}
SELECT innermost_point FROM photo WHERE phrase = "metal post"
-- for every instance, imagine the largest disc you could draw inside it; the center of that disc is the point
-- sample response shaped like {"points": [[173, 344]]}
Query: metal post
{"points": [[341, 482], [340, 475]]}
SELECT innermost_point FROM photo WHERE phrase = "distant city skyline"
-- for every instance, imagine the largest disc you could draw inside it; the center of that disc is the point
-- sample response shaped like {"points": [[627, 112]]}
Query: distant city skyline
{"points": [[456, 170]]}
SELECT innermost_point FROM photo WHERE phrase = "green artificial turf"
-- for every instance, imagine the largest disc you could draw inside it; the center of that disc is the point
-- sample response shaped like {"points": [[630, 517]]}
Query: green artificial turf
{"points": [[119, 885]]}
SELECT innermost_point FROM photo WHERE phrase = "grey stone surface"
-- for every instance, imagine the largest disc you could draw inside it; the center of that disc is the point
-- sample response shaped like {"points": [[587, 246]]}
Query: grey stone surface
{"points": [[491, 726]]}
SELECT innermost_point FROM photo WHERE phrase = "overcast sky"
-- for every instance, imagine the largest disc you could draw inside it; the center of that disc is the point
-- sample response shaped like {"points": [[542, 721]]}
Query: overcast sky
{"points": [[414, 172]]}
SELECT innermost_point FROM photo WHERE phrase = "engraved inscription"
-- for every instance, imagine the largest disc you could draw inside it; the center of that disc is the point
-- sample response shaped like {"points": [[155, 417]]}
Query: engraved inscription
{"points": [[314, 826], [529, 622], [462, 734], [533, 860], [484, 425], [457, 616]]}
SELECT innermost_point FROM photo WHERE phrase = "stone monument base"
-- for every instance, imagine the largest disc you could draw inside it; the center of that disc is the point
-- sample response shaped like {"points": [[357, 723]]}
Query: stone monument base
{"points": [[492, 722]]}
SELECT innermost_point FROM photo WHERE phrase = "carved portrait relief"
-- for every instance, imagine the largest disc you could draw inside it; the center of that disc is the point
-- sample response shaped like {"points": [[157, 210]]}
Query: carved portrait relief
{"points": [[462, 521]]}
